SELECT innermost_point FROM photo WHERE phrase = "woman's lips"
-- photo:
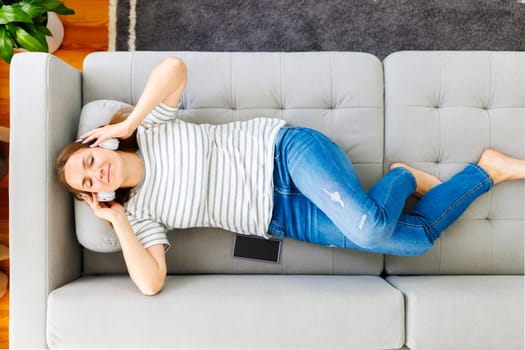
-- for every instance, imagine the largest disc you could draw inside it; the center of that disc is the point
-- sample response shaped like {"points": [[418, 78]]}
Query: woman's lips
{"points": [[109, 172]]}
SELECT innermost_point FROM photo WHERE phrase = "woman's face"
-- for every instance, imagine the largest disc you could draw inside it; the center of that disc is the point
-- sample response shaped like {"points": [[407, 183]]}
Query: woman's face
{"points": [[94, 170]]}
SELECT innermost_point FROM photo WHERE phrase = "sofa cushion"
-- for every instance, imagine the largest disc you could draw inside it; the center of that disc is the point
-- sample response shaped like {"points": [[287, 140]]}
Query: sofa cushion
{"points": [[338, 93], [234, 312], [462, 312], [442, 109]]}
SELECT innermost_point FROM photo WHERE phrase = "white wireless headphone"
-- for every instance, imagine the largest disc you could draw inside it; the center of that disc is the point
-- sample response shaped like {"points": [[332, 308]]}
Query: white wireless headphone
{"points": [[111, 144]]}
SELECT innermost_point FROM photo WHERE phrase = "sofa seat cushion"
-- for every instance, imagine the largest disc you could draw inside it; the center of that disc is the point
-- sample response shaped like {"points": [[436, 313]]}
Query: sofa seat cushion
{"points": [[462, 312], [218, 311]]}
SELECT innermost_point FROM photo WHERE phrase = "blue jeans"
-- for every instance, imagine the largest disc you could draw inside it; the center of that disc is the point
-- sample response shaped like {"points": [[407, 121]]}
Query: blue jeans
{"points": [[318, 199]]}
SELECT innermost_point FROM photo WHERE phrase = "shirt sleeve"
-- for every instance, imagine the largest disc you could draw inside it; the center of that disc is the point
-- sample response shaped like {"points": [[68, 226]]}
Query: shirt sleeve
{"points": [[161, 114], [149, 232]]}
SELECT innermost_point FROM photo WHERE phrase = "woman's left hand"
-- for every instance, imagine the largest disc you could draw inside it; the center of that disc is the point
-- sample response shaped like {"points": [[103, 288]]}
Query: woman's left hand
{"points": [[120, 130]]}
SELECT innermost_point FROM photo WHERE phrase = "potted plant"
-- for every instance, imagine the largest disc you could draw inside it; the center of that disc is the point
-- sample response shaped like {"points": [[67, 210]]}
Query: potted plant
{"points": [[23, 24]]}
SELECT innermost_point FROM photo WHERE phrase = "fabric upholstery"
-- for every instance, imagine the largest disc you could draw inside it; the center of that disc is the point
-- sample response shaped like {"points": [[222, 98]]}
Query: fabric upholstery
{"points": [[234, 312], [201, 251], [463, 312], [339, 93], [442, 109], [45, 100]]}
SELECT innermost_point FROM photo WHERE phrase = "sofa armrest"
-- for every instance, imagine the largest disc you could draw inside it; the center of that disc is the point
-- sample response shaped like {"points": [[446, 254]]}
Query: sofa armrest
{"points": [[45, 102]]}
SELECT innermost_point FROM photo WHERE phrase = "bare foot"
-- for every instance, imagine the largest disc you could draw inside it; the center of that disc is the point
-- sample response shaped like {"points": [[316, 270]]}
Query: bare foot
{"points": [[425, 181], [501, 167]]}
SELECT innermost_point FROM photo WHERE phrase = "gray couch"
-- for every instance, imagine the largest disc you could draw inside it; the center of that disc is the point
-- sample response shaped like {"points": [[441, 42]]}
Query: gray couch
{"points": [[434, 110]]}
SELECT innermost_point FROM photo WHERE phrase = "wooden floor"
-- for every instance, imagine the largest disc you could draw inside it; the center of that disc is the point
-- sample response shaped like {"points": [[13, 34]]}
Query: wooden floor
{"points": [[85, 32]]}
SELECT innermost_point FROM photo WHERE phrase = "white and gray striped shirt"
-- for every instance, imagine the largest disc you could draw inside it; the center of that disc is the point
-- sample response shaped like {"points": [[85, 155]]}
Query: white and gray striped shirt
{"points": [[202, 175]]}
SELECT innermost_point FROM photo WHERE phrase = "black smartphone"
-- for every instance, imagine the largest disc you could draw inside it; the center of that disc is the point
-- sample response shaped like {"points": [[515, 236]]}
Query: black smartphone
{"points": [[257, 248]]}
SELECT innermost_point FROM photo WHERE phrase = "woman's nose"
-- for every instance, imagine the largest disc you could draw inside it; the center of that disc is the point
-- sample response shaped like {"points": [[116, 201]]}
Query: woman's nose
{"points": [[98, 173]]}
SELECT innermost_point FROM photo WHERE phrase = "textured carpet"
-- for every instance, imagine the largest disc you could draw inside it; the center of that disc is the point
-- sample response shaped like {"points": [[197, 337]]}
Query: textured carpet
{"points": [[375, 26]]}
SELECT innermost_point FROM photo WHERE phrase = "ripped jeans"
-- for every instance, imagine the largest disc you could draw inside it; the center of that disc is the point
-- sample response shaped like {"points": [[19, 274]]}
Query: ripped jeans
{"points": [[318, 199]]}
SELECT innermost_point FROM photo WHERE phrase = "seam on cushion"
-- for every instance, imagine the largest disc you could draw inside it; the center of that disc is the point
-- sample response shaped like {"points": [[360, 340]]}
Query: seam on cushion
{"points": [[131, 78], [489, 103], [440, 246], [491, 142], [490, 206], [233, 106], [489, 97], [382, 106], [489, 120], [282, 85], [332, 107], [440, 128], [333, 261], [491, 256], [440, 79], [440, 142]]}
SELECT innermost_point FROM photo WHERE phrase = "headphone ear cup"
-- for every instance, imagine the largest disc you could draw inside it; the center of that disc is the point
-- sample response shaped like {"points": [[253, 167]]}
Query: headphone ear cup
{"points": [[111, 144], [106, 196]]}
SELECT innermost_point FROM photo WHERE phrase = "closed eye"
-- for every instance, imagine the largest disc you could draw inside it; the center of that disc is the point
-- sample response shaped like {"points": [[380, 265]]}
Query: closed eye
{"points": [[87, 183], [88, 163]]}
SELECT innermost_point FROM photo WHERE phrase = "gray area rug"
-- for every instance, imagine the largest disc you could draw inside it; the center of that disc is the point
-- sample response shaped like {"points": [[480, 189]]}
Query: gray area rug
{"points": [[379, 27]]}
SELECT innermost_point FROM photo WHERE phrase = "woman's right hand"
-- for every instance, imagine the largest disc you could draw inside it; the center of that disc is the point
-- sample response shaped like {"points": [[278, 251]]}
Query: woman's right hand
{"points": [[121, 130], [108, 211]]}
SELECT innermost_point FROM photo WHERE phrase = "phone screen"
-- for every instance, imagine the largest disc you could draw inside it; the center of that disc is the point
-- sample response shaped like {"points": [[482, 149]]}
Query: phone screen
{"points": [[257, 248]]}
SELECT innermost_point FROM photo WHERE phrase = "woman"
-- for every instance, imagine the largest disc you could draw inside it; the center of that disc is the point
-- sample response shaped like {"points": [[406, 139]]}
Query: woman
{"points": [[255, 177]]}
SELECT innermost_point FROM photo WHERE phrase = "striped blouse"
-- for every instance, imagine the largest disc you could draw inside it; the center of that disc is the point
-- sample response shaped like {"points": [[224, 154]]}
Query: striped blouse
{"points": [[202, 175]]}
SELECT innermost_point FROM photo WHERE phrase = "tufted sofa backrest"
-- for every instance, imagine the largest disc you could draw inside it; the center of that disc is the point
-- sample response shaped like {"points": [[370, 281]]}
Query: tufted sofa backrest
{"points": [[442, 109], [338, 93]]}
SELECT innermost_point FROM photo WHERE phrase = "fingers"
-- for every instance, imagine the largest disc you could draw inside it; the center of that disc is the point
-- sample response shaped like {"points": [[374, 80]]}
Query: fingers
{"points": [[88, 136], [96, 135], [88, 199], [91, 200], [99, 135], [103, 210]]}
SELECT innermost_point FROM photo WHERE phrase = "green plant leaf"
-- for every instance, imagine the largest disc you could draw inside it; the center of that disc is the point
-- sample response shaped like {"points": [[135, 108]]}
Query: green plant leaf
{"points": [[6, 45], [32, 10], [11, 28], [63, 10], [43, 29], [48, 4], [30, 42], [34, 32], [13, 13], [55, 6], [42, 19]]}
